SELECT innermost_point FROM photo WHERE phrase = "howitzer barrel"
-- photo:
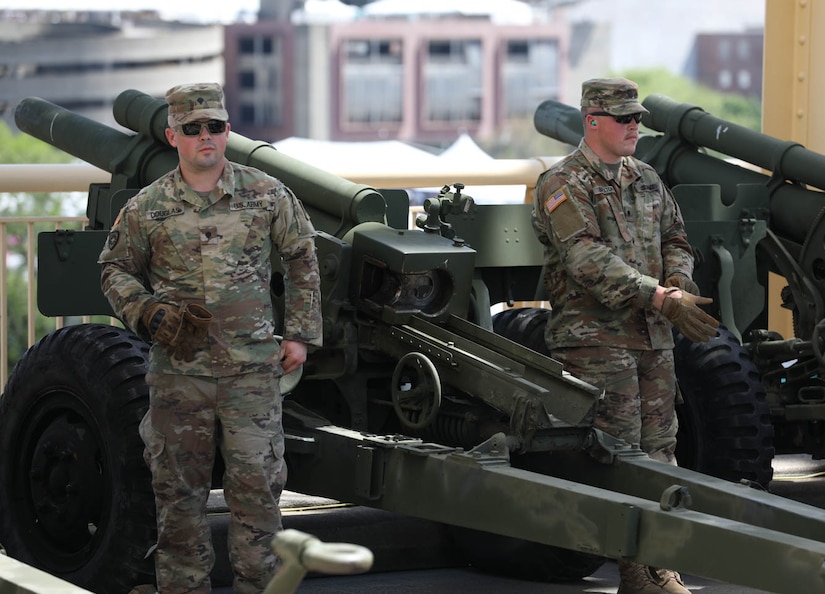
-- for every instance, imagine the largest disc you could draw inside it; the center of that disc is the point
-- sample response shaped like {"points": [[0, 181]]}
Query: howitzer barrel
{"points": [[95, 143], [339, 202], [793, 207], [559, 121], [563, 122], [790, 160]]}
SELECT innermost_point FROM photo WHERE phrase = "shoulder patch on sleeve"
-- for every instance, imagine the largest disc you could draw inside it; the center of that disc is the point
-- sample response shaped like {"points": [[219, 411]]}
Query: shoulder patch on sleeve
{"points": [[555, 199], [564, 214]]}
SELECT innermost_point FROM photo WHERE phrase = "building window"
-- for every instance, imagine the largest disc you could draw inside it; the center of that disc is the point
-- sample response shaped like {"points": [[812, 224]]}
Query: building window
{"points": [[724, 50], [248, 114], [260, 114], [743, 80], [258, 45], [372, 79], [260, 73], [246, 45], [518, 51], [743, 49], [372, 51], [246, 79], [725, 79], [530, 75], [453, 79]]}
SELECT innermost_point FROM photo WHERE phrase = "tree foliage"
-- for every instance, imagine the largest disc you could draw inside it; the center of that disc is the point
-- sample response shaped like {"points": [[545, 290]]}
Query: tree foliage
{"points": [[22, 148], [735, 108]]}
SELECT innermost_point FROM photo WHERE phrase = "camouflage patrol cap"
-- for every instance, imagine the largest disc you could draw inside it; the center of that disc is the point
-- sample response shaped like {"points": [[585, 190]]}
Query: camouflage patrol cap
{"points": [[199, 101], [616, 96]]}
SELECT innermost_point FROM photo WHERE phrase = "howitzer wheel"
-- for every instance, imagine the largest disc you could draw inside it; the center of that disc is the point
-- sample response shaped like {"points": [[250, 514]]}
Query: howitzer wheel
{"points": [[725, 425], [416, 390], [818, 342], [75, 494]]}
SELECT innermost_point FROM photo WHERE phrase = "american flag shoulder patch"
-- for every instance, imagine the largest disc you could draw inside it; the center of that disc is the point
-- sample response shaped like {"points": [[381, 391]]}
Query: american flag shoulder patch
{"points": [[555, 199]]}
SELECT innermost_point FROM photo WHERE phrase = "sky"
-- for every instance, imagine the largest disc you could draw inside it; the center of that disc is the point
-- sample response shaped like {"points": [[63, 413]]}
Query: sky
{"points": [[203, 11]]}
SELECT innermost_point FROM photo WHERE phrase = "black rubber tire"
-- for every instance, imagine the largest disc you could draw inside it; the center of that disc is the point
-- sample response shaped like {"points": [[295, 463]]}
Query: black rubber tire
{"points": [[725, 425], [503, 555], [524, 325], [75, 494]]}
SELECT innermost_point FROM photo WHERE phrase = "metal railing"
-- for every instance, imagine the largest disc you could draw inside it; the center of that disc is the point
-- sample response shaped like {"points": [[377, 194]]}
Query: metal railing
{"points": [[77, 177], [29, 179], [28, 243]]}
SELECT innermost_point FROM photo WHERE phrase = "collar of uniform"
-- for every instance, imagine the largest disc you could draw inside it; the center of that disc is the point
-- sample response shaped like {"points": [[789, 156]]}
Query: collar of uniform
{"points": [[225, 185], [601, 167], [595, 162]]}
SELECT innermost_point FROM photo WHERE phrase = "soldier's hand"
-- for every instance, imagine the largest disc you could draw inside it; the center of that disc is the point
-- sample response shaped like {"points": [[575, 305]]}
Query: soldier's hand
{"points": [[195, 325], [196, 320], [683, 282], [185, 351], [293, 355], [681, 308], [163, 322]]}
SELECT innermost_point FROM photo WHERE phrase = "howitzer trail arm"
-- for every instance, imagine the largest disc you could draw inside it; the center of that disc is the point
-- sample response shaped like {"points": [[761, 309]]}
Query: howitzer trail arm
{"points": [[728, 527]]}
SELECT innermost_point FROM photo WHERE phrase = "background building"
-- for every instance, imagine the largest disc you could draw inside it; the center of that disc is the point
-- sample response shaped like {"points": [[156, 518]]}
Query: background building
{"points": [[83, 60], [423, 72], [728, 62], [423, 80]]}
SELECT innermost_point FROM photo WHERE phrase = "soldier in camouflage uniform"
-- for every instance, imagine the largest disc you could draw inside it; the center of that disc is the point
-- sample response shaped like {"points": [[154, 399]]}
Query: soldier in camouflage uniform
{"points": [[618, 272], [187, 267]]}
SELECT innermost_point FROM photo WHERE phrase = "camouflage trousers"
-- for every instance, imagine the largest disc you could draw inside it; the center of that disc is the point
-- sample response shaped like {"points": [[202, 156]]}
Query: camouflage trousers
{"points": [[190, 417], [639, 394]]}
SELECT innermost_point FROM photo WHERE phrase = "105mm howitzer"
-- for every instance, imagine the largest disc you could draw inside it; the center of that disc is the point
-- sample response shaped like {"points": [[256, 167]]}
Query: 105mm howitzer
{"points": [[413, 405]]}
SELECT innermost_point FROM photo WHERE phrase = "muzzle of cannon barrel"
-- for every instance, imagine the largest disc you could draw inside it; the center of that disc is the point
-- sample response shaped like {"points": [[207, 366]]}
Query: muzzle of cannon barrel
{"points": [[334, 203], [790, 160], [559, 121], [790, 168], [132, 164]]}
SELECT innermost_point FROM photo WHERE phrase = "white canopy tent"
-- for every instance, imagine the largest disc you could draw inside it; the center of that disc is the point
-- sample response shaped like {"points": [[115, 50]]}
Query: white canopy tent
{"points": [[348, 159]]}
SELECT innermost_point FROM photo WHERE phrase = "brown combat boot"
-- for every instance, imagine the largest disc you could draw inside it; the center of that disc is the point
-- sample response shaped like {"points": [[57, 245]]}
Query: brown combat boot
{"points": [[636, 578]]}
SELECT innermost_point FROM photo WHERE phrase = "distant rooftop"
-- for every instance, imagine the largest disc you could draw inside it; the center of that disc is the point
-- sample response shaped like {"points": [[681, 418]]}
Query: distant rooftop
{"points": [[498, 11]]}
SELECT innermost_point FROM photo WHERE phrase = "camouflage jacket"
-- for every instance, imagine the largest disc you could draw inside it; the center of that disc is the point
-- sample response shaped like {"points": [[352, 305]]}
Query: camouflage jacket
{"points": [[173, 245], [608, 243]]}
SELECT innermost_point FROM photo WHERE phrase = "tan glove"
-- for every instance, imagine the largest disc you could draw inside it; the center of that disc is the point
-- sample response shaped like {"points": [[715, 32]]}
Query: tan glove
{"points": [[196, 320], [683, 282], [163, 322], [684, 313], [195, 325]]}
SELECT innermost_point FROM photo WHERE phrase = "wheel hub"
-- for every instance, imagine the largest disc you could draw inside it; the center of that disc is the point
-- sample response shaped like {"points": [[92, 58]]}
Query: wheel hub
{"points": [[65, 481]]}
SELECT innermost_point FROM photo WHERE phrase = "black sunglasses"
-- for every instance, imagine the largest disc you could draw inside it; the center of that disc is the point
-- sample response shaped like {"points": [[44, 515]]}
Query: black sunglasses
{"points": [[194, 128], [623, 119]]}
